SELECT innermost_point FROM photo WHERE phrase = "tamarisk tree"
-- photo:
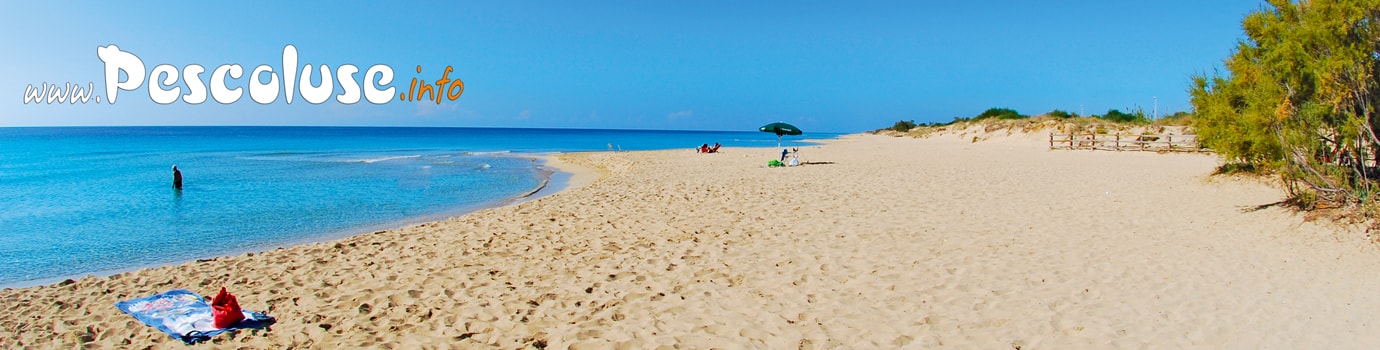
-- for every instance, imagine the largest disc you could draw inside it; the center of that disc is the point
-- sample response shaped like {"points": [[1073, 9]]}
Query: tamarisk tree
{"points": [[1301, 98]]}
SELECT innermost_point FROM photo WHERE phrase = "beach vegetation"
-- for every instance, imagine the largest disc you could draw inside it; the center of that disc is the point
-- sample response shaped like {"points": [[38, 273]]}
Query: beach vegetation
{"points": [[1116, 115], [1237, 168], [1179, 118], [1180, 123], [955, 121], [1000, 113], [1299, 99], [1060, 114], [903, 125]]}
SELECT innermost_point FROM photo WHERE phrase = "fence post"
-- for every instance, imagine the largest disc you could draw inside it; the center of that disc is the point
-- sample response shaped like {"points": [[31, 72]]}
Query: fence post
{"points": [[1051, 140], [1118, 142], [1170, 137]]}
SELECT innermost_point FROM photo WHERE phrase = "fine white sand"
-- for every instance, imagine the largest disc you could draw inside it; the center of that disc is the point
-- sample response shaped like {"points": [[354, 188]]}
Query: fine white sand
{"points": [[895, 243]]}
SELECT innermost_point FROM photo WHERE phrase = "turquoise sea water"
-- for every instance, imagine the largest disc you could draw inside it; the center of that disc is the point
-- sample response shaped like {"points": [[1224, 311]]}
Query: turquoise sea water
{"points": [[95, 200]]}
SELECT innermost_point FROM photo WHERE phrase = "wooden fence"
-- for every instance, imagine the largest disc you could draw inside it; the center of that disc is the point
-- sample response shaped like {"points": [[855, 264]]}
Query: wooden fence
{"points": [[1119, 142]]}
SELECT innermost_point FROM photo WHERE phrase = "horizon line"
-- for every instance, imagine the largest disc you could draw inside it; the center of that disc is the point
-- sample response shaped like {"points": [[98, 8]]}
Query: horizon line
{"points": [[386, 126]]}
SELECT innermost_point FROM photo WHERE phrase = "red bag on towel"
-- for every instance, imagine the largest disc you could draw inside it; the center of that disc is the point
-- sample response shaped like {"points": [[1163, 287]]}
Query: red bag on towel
{"points": [[225, 309]]}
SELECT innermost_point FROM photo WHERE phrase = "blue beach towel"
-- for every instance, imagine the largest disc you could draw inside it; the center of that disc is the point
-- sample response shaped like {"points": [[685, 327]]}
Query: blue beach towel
{"points": [[185, 315]]}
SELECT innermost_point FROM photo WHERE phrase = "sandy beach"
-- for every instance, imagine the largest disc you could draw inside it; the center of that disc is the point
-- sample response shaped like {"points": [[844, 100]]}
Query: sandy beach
{"points": [[879, 242]]}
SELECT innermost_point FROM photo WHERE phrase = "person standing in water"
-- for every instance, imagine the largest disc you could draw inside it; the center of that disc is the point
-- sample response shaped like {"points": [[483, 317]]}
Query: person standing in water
{"points": [[177, 178]]}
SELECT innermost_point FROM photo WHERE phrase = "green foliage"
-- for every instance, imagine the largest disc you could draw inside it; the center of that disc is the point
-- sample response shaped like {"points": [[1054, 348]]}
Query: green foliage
{"points": [[1179, 118], [904, 125], [1300, 98], [1060, 114], [1234, 117], [935, 124], [1000, 113], [1232, 168], [1116, 115]]}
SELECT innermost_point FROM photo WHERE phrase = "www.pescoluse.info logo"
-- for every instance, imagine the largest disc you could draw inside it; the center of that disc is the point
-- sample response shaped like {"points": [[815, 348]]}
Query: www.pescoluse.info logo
{"points": [[263, 83]]}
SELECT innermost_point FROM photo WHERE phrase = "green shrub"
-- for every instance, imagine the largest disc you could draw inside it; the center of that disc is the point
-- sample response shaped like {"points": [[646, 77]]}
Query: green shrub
{"points": [[1060, 114], [904, 125], [1299, 99], [1179, 118], [1000, 113], [1236, 168], [1116, 115]]}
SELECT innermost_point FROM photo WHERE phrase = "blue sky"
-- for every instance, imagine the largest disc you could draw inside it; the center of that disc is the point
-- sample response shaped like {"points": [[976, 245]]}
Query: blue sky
{"points": [[824, 66]]}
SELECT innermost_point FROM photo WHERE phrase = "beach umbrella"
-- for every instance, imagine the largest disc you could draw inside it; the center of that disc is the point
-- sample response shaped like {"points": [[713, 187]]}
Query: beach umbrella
{"points": [[780, 128]]}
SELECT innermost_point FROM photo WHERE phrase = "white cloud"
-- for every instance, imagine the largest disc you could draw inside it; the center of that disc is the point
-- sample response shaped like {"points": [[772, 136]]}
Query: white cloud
{"points": [[681, 114]]}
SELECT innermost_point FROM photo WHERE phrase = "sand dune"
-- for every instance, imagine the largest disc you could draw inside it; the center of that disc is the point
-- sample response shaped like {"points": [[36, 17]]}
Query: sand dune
{"points": [[898, 243]]}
